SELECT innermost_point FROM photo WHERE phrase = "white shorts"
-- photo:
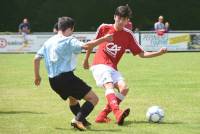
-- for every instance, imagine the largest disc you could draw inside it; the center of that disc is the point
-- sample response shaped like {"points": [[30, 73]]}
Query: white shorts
{"points": [[104, 74]]}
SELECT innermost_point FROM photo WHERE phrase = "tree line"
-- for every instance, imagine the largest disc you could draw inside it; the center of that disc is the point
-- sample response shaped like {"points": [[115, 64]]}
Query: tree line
{"points": [[89, 14]]}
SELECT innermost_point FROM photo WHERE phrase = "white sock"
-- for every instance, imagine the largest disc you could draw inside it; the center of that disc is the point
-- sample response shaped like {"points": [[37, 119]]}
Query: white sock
{"points": [[120, 96]]}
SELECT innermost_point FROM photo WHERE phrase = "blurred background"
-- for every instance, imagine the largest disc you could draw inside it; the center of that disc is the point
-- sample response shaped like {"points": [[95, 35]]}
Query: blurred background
{"points": [[89, 14]]}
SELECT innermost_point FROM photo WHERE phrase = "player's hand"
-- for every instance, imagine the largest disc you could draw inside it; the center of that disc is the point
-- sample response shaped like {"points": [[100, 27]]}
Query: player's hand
{"points": [[86, 64], [109, 37], [163, 50], [37, 80]]}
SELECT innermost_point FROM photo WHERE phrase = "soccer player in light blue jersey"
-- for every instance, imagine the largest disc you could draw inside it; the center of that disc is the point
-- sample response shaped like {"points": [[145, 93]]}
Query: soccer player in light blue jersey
{"points": [[59, 53]]}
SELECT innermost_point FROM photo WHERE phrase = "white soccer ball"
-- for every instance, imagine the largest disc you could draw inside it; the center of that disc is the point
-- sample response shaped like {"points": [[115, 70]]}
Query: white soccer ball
{"points": [[155, 114]]}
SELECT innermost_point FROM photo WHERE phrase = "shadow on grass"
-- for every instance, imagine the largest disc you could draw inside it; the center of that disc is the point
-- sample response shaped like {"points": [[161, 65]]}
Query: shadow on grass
{"points": [[20, 112], [105, 130], [58, 128], [127, 123], [93, 130]]}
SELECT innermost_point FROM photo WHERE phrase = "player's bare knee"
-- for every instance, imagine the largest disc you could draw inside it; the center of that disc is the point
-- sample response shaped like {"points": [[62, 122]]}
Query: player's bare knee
{"points": [[72, 101], [92, 97], [124, 91], [95, 99]]}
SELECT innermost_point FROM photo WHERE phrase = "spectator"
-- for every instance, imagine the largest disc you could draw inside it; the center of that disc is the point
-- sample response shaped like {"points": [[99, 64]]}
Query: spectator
{"points": [[159, 26], [24, 27]]}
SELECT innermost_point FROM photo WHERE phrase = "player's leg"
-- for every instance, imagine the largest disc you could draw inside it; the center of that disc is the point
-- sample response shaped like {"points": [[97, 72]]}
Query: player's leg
{"points": [[122, 90], [80, 90], [75, 107], [91, 100], [113, 103], [102, 75], [59, 84], [120, 85]]}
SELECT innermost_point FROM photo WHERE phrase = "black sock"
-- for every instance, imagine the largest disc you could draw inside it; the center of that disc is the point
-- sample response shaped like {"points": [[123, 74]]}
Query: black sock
{"points": [[75, 108], [86, 109]]}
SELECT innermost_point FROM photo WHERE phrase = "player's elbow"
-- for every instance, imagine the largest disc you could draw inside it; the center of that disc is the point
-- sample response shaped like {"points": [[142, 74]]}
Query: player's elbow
{"points": [[141, 55], [36, 59]]}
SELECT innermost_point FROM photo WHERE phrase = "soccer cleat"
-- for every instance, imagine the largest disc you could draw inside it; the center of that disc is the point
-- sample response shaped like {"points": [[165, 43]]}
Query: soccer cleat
{"points": [[86, 123], [78, 125], [102, 116], [101, 119], [122, 115]]}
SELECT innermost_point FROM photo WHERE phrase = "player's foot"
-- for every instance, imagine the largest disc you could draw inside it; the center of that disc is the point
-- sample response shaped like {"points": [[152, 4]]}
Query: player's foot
{"points": [[101, 119], [122, 115], [78, 125], [102, 116], [86, 123]]}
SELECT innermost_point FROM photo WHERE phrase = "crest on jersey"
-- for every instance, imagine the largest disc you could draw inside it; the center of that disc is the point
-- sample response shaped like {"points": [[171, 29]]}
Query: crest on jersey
{"points": [[112, 49]]}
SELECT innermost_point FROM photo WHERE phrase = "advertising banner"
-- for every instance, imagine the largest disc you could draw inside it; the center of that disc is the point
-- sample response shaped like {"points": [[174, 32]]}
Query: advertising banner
{"points": [[32, 43], [172, 41], [149, 41]]}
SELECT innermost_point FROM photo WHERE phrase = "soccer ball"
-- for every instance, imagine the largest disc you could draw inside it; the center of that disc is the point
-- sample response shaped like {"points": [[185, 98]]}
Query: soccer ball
{"points": [[155, 114]]}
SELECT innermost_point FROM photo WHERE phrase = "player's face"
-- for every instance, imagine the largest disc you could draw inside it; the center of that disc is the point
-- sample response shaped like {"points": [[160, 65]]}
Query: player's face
{"points": [[121, 22]]}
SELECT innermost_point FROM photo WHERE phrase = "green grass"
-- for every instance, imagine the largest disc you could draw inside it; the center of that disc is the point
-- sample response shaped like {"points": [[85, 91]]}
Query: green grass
{"points": [[171, 81]]}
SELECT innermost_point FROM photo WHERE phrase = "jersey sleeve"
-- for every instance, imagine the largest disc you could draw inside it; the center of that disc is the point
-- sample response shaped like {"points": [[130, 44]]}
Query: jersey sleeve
{"points": [[134, 46], [99, 31], [40, 53], [76, 45]]}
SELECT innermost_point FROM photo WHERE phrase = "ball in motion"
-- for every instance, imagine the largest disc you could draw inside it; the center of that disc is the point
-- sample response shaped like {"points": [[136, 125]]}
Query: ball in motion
{"points": [[155, 114]]}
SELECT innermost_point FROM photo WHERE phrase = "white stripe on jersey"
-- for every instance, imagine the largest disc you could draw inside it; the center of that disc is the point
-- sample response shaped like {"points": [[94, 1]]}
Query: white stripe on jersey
{"points": [[131, 32], [97, 32]]}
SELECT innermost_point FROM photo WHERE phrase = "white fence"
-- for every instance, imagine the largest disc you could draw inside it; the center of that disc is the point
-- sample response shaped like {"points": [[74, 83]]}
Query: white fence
{"points": [[150, 41]]}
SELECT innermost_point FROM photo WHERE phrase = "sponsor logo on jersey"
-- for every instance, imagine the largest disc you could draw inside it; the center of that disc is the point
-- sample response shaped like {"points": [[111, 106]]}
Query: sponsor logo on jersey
{"points": [[112, 49]]}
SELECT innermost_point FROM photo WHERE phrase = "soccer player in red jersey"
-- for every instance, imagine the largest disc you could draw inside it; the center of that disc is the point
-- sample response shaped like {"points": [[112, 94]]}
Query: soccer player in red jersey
{"points": [[104, 66]]}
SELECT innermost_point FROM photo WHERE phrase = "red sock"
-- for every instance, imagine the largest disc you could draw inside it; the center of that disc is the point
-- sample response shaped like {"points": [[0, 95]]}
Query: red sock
{"points": [[113, 102], [118, 100], [108, 109]]}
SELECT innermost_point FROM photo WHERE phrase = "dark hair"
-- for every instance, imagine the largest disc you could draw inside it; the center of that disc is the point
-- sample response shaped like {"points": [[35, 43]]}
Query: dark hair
{"points": [[123, 11], [56, 26], [65, 22]]}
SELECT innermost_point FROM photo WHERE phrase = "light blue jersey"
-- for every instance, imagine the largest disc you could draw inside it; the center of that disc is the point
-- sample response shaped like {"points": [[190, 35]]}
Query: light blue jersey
{"points": [[159, 25], [59, 53]]}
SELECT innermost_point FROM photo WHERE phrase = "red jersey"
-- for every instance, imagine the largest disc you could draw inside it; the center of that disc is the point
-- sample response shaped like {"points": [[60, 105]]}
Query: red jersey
{"points": [[110, 53]]}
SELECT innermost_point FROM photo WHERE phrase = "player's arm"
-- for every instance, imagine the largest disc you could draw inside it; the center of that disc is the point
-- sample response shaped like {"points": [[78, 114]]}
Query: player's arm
{"points": [[152, 54], [90, 45], [37, 70], [88, 51], [86, 60], [93, 43]]}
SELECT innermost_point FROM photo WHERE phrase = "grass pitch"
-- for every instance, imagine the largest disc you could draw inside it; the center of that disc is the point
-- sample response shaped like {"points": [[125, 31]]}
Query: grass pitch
{"points": [[171, 81]]}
